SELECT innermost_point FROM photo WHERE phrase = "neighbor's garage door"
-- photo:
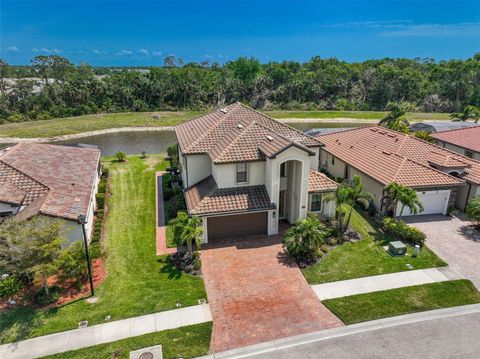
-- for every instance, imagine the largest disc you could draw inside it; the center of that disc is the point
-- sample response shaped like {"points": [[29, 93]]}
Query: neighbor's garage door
{"points": [[434, 202], [237, 225]]}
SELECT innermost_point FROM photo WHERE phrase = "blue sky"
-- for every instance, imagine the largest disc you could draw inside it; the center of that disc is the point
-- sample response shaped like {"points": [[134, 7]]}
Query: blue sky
{"points": [[142, 33]]}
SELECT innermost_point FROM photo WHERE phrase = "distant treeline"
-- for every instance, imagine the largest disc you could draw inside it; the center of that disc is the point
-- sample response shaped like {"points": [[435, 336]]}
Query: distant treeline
{"points": [[57, 88]]}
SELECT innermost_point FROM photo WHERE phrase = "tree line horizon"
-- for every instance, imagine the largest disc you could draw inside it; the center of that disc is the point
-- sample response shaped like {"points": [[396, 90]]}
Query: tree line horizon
{"points": [[422, 85]]}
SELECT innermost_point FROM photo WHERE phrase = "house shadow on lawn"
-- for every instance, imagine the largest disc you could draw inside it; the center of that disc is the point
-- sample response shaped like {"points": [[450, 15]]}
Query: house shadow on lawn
{"points": [[18, 323]]}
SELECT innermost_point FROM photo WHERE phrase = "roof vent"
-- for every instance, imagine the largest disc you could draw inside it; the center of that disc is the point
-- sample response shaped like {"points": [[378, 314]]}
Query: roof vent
{"points": [[351, 146], [270, 138], [223, 110], [391, 135], [387, 153], [239, 125]]}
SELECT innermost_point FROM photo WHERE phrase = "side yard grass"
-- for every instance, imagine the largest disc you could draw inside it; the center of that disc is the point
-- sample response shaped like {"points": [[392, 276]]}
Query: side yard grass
{"points": [[366, 257], [389, 303], [362, 115], [186, 342], [138, 282], [78, 124]]}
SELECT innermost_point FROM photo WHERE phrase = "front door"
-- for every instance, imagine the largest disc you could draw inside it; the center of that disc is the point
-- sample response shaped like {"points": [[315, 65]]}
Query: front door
{"points": [[281, 205]]}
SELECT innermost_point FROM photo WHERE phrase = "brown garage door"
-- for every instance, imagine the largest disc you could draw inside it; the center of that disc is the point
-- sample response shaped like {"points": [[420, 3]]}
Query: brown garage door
{"points": [[237, 225]]}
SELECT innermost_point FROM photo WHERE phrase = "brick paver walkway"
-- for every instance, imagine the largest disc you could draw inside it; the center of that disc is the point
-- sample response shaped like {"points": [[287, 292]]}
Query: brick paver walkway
{"points": [[257, 294]]}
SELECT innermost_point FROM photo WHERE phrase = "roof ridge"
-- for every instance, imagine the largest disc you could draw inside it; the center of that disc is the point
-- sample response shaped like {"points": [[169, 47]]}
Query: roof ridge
{"points": [[207, 132], [273, 119], [26, 174], [235, 140]]}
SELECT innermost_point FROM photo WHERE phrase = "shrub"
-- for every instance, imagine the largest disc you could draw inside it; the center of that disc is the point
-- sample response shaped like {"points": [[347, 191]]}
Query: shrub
{"points": [[41, 298], [73, 262], [9, 287], [121, 156], [102, 186], [167, 194], [172, 151], [403, 231], [100, 200], [473, 210], [105, 172]]}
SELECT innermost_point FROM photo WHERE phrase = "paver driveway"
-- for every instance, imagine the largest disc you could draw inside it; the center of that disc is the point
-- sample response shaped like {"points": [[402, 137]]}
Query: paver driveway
{"points": [[257, 294], [454, 240]]}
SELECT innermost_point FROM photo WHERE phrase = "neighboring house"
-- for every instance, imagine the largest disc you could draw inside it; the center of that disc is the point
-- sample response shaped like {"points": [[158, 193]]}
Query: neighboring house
{"points": [[244, 171], [441, 126], [464, 141], [54, 181], [441, 177]]}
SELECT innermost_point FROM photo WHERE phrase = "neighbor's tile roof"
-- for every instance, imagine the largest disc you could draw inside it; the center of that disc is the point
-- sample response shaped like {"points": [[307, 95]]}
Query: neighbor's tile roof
{"points": [[58, 179], [390, 156], [206, 198], [318, 182], [468, 138], [238, 133]]}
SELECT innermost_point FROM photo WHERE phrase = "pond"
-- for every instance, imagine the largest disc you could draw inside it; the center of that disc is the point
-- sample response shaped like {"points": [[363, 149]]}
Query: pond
{"points": [[136, 142]]}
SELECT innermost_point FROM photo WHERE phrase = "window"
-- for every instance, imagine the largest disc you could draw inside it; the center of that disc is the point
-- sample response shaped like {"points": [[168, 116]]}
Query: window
{"points": [[316, 203], [241, 172], [283, 170], [333, 160], [469, 154], [347, 172]]}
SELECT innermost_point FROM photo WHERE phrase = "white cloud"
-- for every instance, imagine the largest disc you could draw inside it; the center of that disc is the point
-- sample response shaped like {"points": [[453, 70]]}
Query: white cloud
{"points": [[143, 52], [435, 30], [47, 50], [12, 49], [124, 53], [156, 53]]}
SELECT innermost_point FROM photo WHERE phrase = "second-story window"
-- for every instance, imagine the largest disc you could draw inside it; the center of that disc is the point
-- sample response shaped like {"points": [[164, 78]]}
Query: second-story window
{"points": [[283, 170], [241, 172]]}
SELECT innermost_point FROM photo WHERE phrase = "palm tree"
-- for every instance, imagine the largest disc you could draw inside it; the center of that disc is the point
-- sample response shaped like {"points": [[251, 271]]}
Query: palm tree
{"points": [[473, 210], [469, 112], [187, 230], [349, 194], [305, 237], [406, 196], [394, 120]]}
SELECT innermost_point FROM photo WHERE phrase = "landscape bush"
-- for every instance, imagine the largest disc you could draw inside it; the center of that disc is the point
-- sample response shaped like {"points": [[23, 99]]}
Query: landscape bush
{"points": [[121, 156], [74, 265], [42, 299], [100, 197], [9, 286], [403, 231], [473, 210]]}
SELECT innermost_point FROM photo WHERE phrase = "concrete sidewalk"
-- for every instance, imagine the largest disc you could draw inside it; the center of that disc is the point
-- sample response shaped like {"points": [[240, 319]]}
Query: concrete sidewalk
{"points": [[387, 332], [105, 333], [377, 283]]}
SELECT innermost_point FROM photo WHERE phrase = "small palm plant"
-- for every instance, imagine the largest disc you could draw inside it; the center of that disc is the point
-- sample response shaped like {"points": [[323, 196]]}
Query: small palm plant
{"points": [[345, 197], [395, 120], [304, 239], [469, 112], [473, 210], [187, 231], [405, 196]]}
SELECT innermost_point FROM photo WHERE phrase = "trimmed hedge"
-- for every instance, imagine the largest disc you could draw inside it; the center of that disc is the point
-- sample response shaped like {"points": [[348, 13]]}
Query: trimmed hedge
{"points": [[403, 231]]}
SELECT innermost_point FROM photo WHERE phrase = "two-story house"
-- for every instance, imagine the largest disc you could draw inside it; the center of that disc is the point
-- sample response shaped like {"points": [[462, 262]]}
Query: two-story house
{"points": [[243, 172]]}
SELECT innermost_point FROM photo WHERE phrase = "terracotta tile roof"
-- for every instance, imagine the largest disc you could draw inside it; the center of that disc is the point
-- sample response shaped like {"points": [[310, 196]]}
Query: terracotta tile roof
{"points": [[318, 182], [206, 198], [9, 193], [236, 133], [468, 138], [61, 177], [389, 156], [446, 160]]}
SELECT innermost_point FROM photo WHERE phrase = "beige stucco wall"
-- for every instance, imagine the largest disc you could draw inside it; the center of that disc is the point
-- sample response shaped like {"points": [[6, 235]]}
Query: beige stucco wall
{"points": [[370, 185], [198, 168], [336, 169], [225, 174], [328, 207], [457, 149]]}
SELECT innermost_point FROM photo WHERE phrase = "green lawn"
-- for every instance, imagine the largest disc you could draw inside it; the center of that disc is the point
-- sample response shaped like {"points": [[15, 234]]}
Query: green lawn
{"points": [[186, 342], [71, 125], [365, 257], [389, 303], [363, 115], [138, 282]]}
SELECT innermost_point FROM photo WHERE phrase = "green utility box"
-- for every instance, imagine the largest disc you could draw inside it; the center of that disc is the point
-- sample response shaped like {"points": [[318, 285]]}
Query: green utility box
{"points": [[397, 248]]}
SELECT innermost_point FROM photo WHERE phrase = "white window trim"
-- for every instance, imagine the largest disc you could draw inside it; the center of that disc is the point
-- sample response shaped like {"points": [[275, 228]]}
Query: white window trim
{"points": [[311, 202], [246, 173]]}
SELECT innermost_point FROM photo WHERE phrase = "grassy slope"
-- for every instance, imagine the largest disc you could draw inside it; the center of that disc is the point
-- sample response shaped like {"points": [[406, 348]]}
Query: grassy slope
{"points": [[370, 306], [71, 125], [366, 257], [138, 282], [186, 342]]}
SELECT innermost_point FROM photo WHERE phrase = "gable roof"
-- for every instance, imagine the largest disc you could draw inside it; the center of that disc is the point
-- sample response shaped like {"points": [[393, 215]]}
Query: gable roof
{"points": [[319, 182], [239, 133], [468, 138], [58, 180], [206, 198], [390, 156]]}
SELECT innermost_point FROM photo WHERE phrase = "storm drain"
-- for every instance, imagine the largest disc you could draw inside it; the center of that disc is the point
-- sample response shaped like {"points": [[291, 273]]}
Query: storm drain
{"points": [[154, 352]]}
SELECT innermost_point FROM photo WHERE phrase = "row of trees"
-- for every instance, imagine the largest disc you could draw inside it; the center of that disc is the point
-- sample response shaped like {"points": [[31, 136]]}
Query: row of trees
{"points": [[69, 90]]}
